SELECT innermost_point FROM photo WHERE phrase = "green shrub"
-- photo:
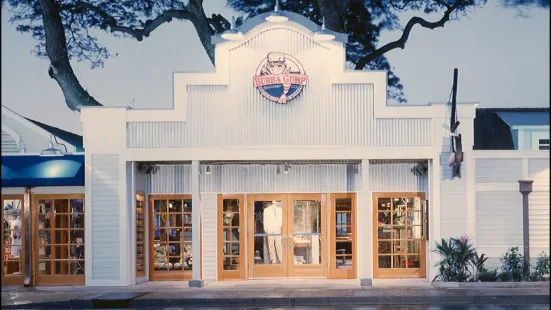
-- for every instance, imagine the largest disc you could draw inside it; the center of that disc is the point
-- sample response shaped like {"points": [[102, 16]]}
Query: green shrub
{"points": [[513, 267], [457, 256], [486, 275], [541, 271]]}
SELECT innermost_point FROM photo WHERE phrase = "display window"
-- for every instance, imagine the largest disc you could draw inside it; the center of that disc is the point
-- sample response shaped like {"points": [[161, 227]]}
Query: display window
{"points": [[171, 251], [59, 251], [399, 231], [343, 236], [231, 265], [13, 240]]}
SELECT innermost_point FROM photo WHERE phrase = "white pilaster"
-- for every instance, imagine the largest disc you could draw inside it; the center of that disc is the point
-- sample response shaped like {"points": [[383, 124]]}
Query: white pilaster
{"points": [[364, 224], [196, 224], [434, 214]]}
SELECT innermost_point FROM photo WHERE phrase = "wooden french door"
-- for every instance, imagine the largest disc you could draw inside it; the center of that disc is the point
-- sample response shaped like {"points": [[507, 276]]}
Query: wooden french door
{"points": [[399, 237], [286, 235], [170, 237]]}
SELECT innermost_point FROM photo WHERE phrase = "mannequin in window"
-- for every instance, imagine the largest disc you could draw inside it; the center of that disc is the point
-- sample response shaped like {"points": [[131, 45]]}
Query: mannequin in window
{"points": [[273, 218], [15, 227]]}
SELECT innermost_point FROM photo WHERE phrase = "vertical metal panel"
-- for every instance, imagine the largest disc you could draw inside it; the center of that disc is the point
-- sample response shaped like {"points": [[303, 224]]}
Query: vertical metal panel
{"points": [[390, 176], [238, 115], [453, 200], [105, 217], [498, 170], [539, 222], [256, 179]]}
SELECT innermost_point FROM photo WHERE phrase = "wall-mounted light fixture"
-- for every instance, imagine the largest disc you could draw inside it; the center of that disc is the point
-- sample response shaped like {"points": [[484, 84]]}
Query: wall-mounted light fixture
{"points": [[276, 16], [323, 34], [51, 151], [207, 171], [232, 33], [287, 167], [278, 171]]}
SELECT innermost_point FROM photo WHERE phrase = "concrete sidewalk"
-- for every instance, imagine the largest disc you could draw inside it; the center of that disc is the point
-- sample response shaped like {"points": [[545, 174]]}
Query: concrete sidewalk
{"points": [[260, 293]]}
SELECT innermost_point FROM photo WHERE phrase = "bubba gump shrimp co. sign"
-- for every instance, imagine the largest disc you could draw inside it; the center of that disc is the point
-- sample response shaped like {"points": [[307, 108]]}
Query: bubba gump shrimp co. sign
{"points": [[280, 77]]}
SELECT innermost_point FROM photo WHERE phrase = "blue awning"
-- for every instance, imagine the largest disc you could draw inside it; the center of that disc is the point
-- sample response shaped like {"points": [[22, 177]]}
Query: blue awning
{"points": [[33, 170]]}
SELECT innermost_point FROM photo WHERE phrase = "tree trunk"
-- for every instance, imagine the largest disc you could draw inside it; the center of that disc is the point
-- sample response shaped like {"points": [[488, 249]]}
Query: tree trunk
{"points": [[60, 68]]}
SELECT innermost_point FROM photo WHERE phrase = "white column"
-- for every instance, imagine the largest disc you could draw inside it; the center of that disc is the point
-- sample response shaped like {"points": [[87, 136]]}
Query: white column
{"points": [[434, 214], [196, 224], [88, 218], [364, 224], [125, 185]]}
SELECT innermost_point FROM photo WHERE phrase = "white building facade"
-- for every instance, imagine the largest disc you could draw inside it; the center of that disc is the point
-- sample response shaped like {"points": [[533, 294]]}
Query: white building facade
{"points": [[329, 182]]}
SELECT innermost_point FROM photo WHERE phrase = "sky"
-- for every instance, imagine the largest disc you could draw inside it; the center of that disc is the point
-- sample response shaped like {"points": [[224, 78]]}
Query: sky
{"points": [[502, 58]]}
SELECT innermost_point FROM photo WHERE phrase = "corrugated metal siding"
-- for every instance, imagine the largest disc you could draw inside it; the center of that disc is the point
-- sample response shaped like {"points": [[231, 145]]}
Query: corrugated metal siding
{"points": [[210, 238], [105, 217], [257, 179], [238, 115], [538, 170], [170, 179], [395, 177], [453, 201], [498, 170], [141, 182], [539, 222], [499, 219], [9, 145]]}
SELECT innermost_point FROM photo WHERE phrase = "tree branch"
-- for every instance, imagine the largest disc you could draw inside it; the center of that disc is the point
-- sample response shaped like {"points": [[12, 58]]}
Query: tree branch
{"points": [[401, 42], [138, 33], [193, 13], [60, 68]]}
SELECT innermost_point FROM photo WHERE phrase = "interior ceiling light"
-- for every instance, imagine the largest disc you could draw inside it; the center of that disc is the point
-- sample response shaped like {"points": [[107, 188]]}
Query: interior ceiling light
{"points": [[276, 16], [323, 34], [232, 34], [51, 151]]}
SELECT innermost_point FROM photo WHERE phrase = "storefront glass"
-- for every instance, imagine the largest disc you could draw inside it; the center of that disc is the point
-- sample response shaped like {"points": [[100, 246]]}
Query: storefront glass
{"points": [[13, 239]]}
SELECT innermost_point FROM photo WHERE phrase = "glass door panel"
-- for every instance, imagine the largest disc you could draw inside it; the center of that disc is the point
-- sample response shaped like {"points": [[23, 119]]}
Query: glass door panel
{"points": [[400, 246], [13, 239], [171, 244], [268, 241], [305, 236], [231, 264]]}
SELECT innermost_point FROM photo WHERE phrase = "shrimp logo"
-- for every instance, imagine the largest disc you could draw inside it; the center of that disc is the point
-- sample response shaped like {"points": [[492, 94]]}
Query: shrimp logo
{"points": [[280, 77]]}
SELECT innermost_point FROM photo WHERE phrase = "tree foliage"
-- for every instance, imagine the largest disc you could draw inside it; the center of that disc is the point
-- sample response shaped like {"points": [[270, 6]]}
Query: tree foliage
{"points": [[66, 29]]}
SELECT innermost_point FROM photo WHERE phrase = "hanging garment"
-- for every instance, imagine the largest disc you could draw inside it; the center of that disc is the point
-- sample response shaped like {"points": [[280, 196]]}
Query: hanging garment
{"points": [[275, 249]]}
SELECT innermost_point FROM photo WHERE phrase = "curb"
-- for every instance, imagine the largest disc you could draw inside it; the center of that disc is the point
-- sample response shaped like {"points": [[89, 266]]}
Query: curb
{"points": [[145, 303], [484, 285]]}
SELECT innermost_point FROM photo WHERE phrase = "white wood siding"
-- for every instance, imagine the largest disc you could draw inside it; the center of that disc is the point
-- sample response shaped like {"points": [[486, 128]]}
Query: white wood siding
{"points": [[105, 218], [453, 201], [210, 238], [499, 204], [498, 219], [538, 170], [498, 170]]}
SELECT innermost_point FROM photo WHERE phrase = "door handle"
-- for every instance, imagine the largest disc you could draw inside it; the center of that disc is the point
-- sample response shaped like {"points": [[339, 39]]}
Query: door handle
{"points": [[290, 242]]}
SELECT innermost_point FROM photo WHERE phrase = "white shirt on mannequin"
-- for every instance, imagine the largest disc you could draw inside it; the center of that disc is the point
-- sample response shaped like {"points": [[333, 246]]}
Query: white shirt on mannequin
{"points": [[273, 217]]}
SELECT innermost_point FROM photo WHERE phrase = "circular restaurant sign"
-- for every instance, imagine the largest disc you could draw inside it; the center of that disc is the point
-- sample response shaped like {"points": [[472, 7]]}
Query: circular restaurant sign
{"points": [[280, 77]]}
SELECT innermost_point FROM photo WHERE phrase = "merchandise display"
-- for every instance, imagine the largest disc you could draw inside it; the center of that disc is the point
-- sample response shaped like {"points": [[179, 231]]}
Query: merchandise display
{"points": [[272, 220]]}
